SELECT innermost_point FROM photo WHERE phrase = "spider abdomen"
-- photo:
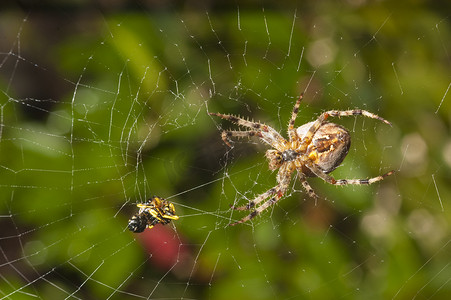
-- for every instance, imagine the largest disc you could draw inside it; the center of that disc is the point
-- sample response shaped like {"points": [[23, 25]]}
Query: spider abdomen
{"points": [[328, 148]]}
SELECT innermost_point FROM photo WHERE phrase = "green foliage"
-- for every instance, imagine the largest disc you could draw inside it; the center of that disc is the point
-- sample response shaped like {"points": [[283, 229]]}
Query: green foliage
{"points": [[134, 123]]}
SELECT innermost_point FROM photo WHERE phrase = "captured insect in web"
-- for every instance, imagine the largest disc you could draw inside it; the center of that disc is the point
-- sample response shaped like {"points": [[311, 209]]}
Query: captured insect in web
{"points": [[313, 150], [153, 211]]}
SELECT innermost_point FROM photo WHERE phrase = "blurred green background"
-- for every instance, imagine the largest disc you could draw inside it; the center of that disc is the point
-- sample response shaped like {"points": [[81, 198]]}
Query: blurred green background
{"points": [[105, 104]]}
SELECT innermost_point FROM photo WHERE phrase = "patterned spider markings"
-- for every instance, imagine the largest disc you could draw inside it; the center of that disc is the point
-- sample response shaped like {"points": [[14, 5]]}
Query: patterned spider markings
{"points": [[314, 150]]}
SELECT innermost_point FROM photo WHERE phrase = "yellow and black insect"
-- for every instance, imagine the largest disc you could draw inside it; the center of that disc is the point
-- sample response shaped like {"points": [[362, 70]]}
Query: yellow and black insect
{"points": [[153, 211]]}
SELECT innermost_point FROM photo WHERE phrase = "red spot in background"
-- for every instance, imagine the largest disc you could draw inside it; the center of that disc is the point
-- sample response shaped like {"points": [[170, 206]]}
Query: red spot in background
{"points": [[164, 247]]}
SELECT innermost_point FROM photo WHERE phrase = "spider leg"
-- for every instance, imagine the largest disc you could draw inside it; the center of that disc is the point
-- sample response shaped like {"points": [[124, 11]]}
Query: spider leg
{"points": [[283, 179], [226, 134], [363, 181], [261, 208], [260, 198], [307, 139], [291, 131], [242, 122], [355, 112], [307, 186], [263, 131], [304, 181], [329, 179]]}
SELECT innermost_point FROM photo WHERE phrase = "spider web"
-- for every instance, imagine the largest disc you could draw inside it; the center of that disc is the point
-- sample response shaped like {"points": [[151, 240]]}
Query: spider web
{"points": [[100, 111]]}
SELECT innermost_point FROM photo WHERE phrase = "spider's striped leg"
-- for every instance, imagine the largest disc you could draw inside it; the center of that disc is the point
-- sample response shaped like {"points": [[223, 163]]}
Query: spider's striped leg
{"points": [[265, 132], [261, 208], [242, 122], [291, 131], [335, 113], [226, 134], [283, 178], [329, 179], [304, 181], [307, 186], [363, 181], [355, 112], [269, 193], [307, 139], [319, 173]]}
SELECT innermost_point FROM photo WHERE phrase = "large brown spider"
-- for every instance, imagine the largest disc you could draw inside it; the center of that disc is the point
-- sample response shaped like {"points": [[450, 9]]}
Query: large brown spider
{"points": [[314, 149]]}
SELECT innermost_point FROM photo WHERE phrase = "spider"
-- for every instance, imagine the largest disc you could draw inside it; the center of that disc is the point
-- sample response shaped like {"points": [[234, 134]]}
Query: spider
{"points": [[153, 211], [314, 150]]}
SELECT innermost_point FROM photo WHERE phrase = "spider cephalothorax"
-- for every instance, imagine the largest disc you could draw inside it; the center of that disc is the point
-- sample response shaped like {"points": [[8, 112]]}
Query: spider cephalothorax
{"points": [[314, 150]]}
